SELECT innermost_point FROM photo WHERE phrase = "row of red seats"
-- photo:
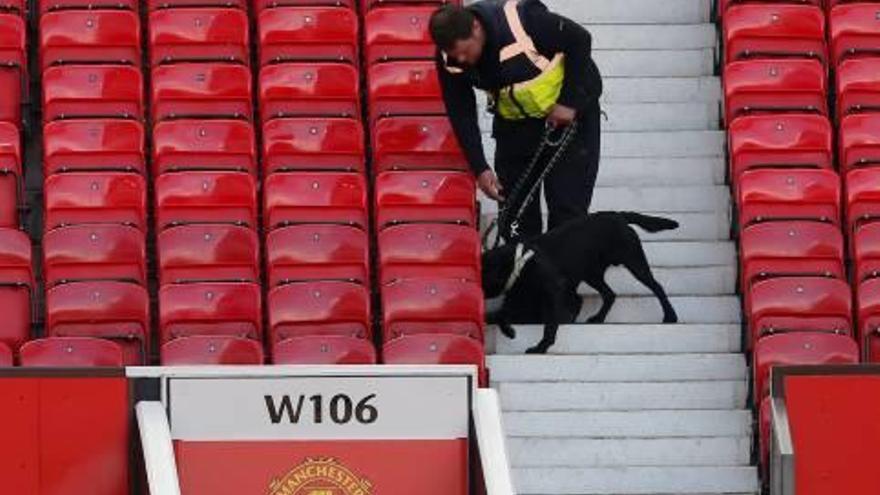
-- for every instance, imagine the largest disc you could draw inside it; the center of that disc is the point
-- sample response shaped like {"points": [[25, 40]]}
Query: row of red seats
{"points": [[13, 80], [797, 301]]}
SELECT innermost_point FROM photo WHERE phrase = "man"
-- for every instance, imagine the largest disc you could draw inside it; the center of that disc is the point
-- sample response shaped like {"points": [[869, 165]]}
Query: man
{"points": [[537, 68]]}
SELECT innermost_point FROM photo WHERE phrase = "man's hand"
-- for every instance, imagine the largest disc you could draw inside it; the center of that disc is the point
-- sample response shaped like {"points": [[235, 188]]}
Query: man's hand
{"points": [[561, 116], [490, 185]]}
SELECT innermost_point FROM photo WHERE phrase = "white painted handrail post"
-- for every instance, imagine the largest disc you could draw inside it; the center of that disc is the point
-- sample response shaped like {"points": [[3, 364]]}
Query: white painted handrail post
{"points": [[158, 448], [781, 451], [490, 438]]}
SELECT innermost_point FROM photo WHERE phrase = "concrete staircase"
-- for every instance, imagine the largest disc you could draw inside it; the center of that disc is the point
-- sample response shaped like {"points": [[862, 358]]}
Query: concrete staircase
{"points": [[633, 407]]}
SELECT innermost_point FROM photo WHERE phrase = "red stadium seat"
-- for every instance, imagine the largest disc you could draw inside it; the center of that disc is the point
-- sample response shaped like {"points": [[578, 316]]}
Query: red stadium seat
{"points": [[429, 250], [210, 252], [315, 197], [868, 294], [316, 89], [201, 34], [94, 252], [854, 30], [6, 357], [774, 30], [799, 348], [774, 86], [399, 33], [433, 305], [212, 350], [261, 5], [92, 91], [425, 196], [202, 90], [324, 349], [90, 36], [117, 311], [858, 86], [206, 197], [780, 141], [169, 4], [308, 34], [204, 145], [326, 307], [90, 197], [93, 145], [16, 287], [422, 142], [13, 67], [313, 144], [862, 196], [433, 348], [791, 249], [404, 88], [317, 252], [724, 5], [72, 352], [10, 174], [865, 242], [367, 5], [782, 305], [859, 141], [46, 6], [210, 308], [789, 194]]}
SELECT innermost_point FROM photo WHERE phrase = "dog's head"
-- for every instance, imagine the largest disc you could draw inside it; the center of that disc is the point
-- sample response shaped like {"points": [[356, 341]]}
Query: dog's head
{"points": [[497, 266]]}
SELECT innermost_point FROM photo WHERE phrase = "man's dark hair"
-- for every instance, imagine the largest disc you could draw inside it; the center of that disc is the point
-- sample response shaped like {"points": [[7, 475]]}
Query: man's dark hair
{"points": [[450, 24]]}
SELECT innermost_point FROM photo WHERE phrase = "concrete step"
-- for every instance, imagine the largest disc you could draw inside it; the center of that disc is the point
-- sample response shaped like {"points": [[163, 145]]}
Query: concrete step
{"points": [[661, 89], [646, 309], [688, 254], [678, 281], [653, 37], [622, 396], [636, 172], [629, 424], [595, 368], [690, 480], [634, 11], [588, 452], [624, 339], [672, 144], [650, 117], [685, 199], [656, 63]]}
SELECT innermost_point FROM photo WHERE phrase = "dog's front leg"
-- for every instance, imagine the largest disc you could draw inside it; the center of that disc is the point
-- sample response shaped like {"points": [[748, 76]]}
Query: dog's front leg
{"points": [[499, 318]]}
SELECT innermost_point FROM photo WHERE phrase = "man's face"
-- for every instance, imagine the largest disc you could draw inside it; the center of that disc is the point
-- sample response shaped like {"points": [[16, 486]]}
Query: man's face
{"points": [[467, 52]]}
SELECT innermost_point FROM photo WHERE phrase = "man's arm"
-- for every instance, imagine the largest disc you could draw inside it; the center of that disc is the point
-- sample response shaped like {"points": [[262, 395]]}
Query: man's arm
{"points": [[461, 105], [553, 33]]}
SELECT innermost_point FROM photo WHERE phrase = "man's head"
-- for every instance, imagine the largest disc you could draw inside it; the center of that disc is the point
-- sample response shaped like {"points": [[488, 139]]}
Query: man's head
{"points": [[459, 34]]}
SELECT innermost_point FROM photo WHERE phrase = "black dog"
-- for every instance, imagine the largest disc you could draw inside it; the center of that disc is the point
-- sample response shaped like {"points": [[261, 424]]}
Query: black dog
{"points": [[539, 278]]}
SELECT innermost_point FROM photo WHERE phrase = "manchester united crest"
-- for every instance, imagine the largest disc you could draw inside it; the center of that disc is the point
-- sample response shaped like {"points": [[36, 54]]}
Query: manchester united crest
{"points": [[323, 476]]}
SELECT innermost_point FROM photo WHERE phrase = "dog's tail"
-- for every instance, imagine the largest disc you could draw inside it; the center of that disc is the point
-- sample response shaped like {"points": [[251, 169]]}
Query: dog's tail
{"points": [[649, 223]]}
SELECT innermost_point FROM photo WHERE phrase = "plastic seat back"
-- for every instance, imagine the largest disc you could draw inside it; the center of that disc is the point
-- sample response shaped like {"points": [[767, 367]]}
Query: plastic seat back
{"points": [[203, 34], [10, 174], [93, 145], [212, 350], [206, 197], [92, 91], [46, 6], [429, 250], [427, 349], [308, 34], [774, 31], [210, 252], [432, 305], [302, 89], [868, 310], [210, 308], [16, 287], [778, 85], [315, 197], [859, 141], [90, 37], [866, 251], [94, 252], [368, 5], [404, 88], [317, 252], [93, 197], [853, 31], [72, 352], [172, 4], [116, 311], [772, 195], [858, 86], [6, 356], [399, 33], [261, 5], [204, 145], [325, 307], [324, 349], [13, 67], [202, 90], [862, 197], [313, 144], [780, 141], [425, 196], [416, 143]]}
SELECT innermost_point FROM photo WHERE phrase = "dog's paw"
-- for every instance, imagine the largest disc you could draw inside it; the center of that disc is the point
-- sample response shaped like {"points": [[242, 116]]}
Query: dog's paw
{"points": [[508, 331], [673, 318], [541, 348], [596, 320]]}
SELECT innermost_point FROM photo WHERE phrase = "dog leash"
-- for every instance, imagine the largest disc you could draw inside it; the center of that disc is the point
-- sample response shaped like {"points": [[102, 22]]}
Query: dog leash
{"points": [[508, 226]]}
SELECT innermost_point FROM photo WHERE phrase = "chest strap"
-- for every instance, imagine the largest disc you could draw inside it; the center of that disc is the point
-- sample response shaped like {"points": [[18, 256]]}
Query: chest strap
{"points": [[520, 260]]}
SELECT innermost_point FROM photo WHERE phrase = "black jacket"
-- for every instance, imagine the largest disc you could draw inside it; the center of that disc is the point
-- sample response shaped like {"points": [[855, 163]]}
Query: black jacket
{"points": [[551, 33]]}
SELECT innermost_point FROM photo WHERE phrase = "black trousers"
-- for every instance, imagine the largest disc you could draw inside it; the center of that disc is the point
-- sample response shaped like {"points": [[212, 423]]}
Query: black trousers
{"points": [[568, 188]]}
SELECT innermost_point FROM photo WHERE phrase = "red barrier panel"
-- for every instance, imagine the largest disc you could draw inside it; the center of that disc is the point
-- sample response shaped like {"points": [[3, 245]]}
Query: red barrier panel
{"points": [[64, 432]]}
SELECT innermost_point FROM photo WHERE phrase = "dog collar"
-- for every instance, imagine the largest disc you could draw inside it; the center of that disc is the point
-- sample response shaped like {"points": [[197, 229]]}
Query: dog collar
{"points": [[520, 260]]}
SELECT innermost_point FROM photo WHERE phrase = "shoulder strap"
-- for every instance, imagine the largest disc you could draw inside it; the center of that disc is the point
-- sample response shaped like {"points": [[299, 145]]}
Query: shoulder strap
{"points": [[522, 41]]}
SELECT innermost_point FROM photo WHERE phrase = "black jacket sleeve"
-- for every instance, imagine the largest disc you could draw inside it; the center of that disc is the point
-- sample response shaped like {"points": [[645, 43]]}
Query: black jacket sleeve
{"points": [[461, 105], [553, 33]]}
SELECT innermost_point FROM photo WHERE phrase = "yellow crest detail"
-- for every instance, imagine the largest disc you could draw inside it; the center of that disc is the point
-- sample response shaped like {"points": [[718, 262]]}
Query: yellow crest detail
{"points": [[320, 476]]}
